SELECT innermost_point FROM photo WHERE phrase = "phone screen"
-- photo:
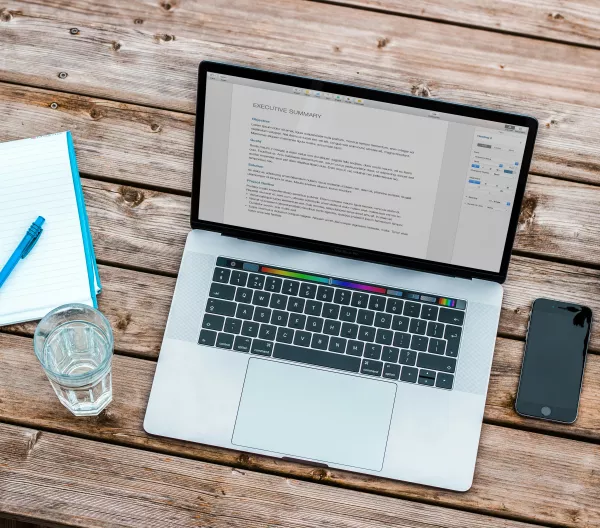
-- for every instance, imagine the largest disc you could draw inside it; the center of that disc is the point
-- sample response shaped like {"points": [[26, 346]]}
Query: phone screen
{"points": [[554, 360]]}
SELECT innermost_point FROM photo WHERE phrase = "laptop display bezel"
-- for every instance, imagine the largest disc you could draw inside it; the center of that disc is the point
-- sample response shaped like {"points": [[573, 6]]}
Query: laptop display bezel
{"points": [[376, 95]]}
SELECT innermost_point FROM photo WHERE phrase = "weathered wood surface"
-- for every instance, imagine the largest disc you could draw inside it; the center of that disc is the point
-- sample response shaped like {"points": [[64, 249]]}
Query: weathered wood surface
{"points": [[575, 21], [12, 523], [512, 476], [61, 479], [114, 140], [144, 64]]}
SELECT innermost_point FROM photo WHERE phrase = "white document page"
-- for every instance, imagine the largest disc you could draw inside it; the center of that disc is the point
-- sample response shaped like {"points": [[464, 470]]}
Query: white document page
{"points": [[332, 171], [36, 180]]}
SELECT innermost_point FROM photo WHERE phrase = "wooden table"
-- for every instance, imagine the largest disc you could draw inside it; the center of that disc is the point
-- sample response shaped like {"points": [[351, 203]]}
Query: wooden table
{"points": [[122, 77]]}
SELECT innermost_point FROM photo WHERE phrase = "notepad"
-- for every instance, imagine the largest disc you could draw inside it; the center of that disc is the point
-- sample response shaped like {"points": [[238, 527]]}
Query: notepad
{"points": [[39, 177]]}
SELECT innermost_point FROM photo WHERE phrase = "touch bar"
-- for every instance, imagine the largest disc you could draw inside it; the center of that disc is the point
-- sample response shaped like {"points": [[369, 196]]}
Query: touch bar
{"points": [[295, 275], [357, 286]]}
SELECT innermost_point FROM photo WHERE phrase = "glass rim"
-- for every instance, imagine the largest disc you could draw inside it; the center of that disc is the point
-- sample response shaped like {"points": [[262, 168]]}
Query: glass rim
{"points": [[73, 377]]}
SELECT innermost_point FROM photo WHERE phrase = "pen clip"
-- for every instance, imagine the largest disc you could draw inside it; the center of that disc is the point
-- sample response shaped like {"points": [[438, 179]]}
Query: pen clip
{"points": [[32, 243]]}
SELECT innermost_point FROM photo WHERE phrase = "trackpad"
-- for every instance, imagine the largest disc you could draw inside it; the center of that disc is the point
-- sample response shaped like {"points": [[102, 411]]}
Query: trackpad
{"points": [[305, 412]]}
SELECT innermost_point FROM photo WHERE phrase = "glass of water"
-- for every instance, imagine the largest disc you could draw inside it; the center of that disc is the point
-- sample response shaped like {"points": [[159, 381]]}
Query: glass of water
{"points": [[74, 344]]}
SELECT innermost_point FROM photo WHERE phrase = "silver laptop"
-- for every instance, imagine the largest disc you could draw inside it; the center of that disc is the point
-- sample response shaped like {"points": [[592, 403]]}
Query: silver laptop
{"points": [[339, 293]]}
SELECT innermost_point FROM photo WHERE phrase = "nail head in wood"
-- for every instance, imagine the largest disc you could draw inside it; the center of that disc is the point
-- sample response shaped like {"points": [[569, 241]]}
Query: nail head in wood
{"points": [[74, 31], [54, 106], [63, 75]]}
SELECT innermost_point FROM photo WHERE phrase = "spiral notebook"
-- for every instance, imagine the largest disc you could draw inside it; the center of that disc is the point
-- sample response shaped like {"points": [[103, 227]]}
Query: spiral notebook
{"points": [[39, 177]]}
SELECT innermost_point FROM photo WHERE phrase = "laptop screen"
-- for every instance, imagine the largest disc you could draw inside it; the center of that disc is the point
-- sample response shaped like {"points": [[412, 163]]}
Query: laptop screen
{"points": [[360, 173]]}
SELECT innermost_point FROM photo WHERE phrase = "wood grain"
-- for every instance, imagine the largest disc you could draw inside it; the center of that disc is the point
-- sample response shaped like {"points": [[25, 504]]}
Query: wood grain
{"points": [[143, 64], [512, 474], [576, 21], [71, 480], [136, 144]]}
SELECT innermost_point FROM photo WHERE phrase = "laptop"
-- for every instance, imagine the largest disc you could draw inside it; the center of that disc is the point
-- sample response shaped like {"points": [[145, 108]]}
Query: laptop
{"points": [[339, 292]]}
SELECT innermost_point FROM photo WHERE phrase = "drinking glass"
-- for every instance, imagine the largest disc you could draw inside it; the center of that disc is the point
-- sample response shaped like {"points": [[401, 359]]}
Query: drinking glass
{"points": [[74, 344]]}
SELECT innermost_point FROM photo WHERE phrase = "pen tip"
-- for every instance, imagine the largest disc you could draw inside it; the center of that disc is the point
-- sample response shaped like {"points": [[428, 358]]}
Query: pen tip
{"points": [[40, 220]]}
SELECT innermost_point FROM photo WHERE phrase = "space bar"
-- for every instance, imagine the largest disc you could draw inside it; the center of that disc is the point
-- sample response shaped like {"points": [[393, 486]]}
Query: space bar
{"points": [[316, 357]]}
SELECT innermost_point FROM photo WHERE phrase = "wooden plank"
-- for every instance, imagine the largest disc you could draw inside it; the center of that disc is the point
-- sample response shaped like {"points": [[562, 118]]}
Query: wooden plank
{"points": [[138, 63], [576, 21], [512, 476], [12, 523], [54, 478]]}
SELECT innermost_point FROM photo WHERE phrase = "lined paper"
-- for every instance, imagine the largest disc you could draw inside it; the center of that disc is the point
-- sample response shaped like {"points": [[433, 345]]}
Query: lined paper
{"points": [[36, 180]]}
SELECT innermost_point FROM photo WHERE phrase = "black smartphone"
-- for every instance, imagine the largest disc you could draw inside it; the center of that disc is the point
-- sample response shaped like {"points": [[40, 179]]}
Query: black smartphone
{"points": [[554, 360]]}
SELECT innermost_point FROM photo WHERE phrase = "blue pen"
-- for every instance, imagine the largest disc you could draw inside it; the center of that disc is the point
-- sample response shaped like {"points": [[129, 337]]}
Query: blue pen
{"points": [[23, 249]]}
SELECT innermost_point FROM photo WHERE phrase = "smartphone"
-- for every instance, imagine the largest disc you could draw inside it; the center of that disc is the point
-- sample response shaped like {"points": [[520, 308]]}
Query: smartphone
{"points": [[554, 360]]}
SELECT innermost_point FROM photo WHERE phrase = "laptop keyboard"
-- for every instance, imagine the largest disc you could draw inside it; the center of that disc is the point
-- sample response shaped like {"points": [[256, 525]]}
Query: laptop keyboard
{"points": [[335, 323]]}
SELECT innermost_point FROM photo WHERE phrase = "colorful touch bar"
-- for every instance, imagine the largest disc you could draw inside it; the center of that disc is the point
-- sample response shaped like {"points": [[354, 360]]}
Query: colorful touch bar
{"points": [[294, 275], [447, 302], [357, 286]]}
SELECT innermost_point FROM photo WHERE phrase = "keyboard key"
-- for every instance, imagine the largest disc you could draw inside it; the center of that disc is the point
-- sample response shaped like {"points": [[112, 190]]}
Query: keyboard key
{"points": [[360, 300], [435, 329], [239, 278], [244, 295], [429, 312], [366, 333], [401, 340], [419, 342], [365, 317], [263, 348], [207, 337], [262, 315], [278, 301], [348, 314], [213, 322], [433, 362], [394, 306], [256, 281], [250, 329], [383, 320], [418, 326], [302, 338], [314, 324], [355, 348], [216, 306], [342, 296], [313, 308], [232, 326], [372, 351], [444, 381], [409, 374], [384, 337], [308, 290], [452, 348], [453, 333], [319, 358], [371, 367], [261, 298], [332, 327], [297, 321], [455, 317], [221, 275], [222, 291], [390, 354], [325, 293], [331, 311], [408, 357], [377, 303], [225, 340], [273, 284], [337, 344], [349, 330], [412, 309], [279, 318], [290, 287], [391, 371], [285, 335], [242, 344], [437, 346], [267, 331], [319, 341], [244, 311], [400, 323], [295, 304], [426, 377]]}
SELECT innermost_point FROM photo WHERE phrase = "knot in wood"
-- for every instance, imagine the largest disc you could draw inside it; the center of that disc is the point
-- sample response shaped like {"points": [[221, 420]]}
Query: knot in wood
{"points": [[74, 31], [138, 21], [54, 106], [421, 90], [527, 211], [382, 42], [555, 16], [155, 127], [5, 15], [95, 113], [132, 197], [116, 45], [166, 5], [63, 75]]}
